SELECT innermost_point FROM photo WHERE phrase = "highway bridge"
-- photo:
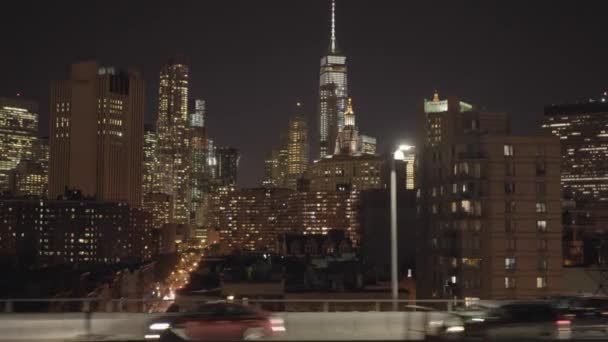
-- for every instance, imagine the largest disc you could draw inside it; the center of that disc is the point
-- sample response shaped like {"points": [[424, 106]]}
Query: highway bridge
{"points": [[413, 321]]}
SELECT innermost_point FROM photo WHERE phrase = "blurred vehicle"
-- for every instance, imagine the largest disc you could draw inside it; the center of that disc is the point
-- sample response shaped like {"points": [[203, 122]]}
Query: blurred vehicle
{"points": [[215, 322], [586, 313], [535, 320]]}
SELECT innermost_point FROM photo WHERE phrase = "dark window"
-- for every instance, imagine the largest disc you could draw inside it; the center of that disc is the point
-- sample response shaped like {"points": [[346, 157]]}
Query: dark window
{"points": [[509, 188], [541, 169]]}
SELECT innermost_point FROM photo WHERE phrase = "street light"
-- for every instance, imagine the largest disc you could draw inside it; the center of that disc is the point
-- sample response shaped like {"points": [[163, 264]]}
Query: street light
{"points": [[398, 154]]}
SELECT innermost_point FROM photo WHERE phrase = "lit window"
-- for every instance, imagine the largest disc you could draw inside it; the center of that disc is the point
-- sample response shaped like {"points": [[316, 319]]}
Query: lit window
{"points": [[541, 207], [509, 282], [510, 263], [508, 150], [541, 225], [541, 282]]}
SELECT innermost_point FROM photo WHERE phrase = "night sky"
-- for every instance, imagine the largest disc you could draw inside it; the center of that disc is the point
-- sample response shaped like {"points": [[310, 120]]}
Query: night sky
{"points": [[252, 60]]}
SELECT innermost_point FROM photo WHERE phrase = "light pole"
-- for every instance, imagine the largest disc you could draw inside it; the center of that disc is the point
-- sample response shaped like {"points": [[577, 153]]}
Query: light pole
{"points": [[397, 154]]}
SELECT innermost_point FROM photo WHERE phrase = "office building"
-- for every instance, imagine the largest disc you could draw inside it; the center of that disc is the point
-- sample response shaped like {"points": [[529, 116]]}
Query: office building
{"points": [[333, 93], [172, 128], [583, 132], [273, 175], [199, 161], [346, 172], [297, 148], [489, 205], [151, 178], [18, 132], [159, 205], [28, 179], [407, 154], [96, 133], [227, 165], [367, 144]]}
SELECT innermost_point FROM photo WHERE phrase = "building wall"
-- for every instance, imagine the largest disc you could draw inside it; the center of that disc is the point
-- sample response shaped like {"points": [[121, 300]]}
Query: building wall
{"points": [[359, 172], [50, 232], [471, 222], [96, 134]]}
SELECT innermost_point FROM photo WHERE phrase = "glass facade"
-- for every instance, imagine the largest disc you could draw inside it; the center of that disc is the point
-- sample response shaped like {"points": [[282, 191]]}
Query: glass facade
{"points": [[174, 137], [18, 131], [583, 132]]}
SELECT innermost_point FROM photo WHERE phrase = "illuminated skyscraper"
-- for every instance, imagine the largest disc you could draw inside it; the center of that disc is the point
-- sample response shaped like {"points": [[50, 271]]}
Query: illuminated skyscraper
{"points": [[407, 154], [333, 93], [297, 149], [18, 131], [151, 176], [173, 136], [583, 132], [96, 133], [200, 168]]}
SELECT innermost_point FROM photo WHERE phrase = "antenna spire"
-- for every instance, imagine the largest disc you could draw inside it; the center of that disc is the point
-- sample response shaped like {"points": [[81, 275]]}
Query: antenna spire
{"points": [[332, 48]]}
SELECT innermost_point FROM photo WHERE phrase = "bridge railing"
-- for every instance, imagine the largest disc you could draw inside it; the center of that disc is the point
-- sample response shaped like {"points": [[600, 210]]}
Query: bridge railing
{"points": [[151, 305]]}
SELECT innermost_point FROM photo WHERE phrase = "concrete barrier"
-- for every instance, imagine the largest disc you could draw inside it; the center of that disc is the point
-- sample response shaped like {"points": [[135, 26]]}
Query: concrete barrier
{"points": [[300, 326]]}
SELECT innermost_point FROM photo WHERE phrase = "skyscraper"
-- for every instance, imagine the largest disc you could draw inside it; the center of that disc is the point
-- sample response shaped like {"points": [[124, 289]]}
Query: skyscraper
{"points": [[333, 93], [347, 141], [297, 148], [200, 174], [173, 136], [96, 133], [227, 165], [151, 176], [18, 131], [274, 171], [582, 129], [407, 154]]}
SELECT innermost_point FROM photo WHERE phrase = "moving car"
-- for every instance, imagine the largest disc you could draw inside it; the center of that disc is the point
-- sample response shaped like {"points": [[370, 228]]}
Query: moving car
{"points": [[215, 322], [519, 320]]}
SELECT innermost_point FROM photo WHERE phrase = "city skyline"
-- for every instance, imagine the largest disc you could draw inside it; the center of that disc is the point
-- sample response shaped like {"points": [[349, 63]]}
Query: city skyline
{"points": [[392, 64]]}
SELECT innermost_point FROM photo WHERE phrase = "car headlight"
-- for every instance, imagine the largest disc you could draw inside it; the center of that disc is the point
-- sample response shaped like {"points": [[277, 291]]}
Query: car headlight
{"points": [[159, 326], [455, 329]]}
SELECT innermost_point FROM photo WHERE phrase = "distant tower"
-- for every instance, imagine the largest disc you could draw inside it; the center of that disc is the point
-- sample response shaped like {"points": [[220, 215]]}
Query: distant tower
{"points": [[332, 92], [18, 131], [297, 148], [173, 136], [348, 138]]}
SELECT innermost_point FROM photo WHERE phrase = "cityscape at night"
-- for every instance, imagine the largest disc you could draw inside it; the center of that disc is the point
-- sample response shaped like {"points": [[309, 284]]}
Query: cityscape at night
{"points": [[303, 170]]}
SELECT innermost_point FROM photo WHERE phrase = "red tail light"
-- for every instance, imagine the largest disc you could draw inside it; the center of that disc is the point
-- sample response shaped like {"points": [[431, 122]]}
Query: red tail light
{"points": [[562, 322]]}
